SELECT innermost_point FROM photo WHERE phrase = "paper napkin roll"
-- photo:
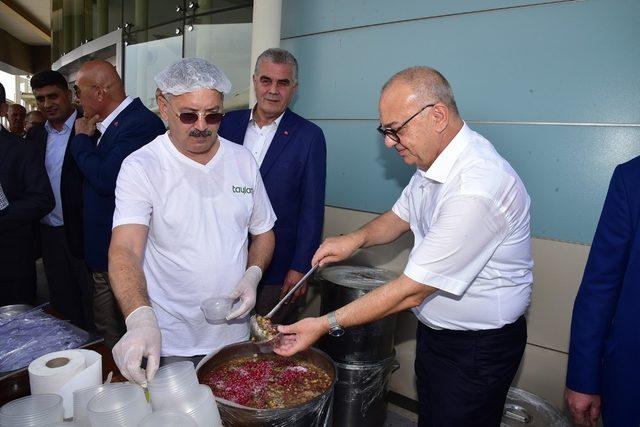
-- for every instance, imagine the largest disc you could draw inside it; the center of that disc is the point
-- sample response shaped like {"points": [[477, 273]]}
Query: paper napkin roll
{"points": [[62, 372]]}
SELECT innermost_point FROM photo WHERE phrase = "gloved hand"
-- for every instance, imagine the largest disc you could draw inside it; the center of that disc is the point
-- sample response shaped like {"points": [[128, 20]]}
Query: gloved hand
{"points": [[143, 338], [246, 290]]}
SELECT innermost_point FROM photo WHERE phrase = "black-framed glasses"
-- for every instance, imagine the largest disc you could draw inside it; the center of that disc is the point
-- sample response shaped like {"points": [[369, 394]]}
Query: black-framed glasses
{"points": [[393, 133], [191, 117]]}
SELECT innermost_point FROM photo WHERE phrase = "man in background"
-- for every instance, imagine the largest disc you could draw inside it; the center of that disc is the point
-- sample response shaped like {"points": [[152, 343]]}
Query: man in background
{"points": [[16, 116], [25, 197], [34, 118], [114, 125], [61, 230], [291, 153]]}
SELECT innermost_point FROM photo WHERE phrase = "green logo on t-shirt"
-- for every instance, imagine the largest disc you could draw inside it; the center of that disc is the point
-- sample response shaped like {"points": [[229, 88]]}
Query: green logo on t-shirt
{"points": [[243, 190]]}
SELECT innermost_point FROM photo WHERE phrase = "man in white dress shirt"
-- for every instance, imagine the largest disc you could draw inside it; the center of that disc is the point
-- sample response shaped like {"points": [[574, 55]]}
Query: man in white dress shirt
{"points": [[468, 277], [186, 204]]}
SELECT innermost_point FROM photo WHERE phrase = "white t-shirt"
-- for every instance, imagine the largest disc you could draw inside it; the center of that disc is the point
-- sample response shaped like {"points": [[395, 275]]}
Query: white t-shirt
{"points": [[199, 218], [469, 213]]}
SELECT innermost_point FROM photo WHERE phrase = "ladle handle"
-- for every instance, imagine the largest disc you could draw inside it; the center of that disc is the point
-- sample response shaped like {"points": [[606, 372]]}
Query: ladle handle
{"points": [[291, 291]]}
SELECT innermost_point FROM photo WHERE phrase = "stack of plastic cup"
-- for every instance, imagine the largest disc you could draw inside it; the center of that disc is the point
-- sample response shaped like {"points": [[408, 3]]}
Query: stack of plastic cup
{"points": [[172, 384], [120, 405], [80, 400], [202, 407], [168, 419], [32, 411]]}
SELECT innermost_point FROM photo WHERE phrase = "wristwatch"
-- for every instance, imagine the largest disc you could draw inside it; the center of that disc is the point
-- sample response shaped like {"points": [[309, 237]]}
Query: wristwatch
{"points": [[335, 330]]}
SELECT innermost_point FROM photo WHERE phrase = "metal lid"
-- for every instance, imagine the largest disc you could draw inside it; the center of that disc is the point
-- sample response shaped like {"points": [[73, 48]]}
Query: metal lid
{"points": [[357, 277], [527, 409]]}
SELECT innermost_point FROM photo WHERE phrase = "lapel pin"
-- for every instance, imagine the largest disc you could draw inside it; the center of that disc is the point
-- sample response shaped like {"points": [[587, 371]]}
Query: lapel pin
{"points": [[116, 123], [286, 132]]}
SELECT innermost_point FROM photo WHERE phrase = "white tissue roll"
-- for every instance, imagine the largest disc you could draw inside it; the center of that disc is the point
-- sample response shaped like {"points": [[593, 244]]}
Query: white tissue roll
{"points": [[63, 372], [48, 373]]}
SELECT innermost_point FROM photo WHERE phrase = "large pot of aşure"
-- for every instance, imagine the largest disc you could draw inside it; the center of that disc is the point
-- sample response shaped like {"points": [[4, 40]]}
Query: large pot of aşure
{"points": [[243, 381]]}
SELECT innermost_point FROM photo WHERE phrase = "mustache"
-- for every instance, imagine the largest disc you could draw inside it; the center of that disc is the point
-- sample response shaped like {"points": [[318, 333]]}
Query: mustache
{"points": [[200, 133]]}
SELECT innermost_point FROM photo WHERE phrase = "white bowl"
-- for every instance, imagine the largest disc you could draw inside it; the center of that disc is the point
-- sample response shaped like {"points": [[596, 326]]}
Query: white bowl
{"points": [[32, 411], [120, 405], [168, 419], [173, 383]]}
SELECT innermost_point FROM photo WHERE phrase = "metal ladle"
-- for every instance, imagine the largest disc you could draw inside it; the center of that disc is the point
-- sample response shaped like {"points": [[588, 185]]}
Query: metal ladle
{"points": [[259, 335]]}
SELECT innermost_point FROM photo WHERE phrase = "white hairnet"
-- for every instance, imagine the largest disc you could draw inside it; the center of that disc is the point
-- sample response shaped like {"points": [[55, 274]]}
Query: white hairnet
{"points": [[191, 74]]}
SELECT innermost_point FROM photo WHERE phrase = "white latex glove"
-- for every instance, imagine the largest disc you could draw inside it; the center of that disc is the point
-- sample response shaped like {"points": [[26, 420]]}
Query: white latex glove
{"points": [[143, 338], [246, 290]]}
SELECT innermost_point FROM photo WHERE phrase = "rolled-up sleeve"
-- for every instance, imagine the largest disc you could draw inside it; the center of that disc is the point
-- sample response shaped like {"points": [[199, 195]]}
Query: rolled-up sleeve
{"points": [[464, 236]]}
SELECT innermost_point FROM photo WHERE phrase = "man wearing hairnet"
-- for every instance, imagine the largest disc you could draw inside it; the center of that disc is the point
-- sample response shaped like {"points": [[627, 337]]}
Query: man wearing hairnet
{"points": [[186, 204]]}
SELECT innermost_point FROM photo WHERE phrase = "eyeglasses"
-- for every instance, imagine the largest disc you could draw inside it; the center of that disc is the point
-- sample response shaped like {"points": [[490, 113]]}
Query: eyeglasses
{"points": [[192, 116], [393, 133]]}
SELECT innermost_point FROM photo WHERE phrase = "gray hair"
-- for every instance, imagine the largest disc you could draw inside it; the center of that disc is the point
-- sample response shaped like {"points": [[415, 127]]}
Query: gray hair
{"points": [[428, 84], [278, 56]]}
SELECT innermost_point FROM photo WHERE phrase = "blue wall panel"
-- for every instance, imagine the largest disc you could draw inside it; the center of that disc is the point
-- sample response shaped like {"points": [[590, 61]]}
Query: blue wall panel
{"points": [[568, 62], [312, 16], [566, 170], [560, 62]]}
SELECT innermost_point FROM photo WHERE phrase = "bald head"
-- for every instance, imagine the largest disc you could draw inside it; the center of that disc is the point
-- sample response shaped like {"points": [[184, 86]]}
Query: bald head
{"points": [[99, 88], [427, 85], [16, 115]]}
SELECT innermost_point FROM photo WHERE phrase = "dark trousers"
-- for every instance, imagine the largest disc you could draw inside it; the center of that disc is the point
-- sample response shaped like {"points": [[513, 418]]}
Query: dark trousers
{"points": [[267, 298], [68, 279], [463, 376], [17, 269], [106, 312]]}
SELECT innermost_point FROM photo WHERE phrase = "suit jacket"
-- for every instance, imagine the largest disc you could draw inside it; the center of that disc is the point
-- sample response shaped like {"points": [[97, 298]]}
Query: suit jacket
{"points": [[605, 330], [26, 186], [294, 174], [70, 189], [134, 127]]}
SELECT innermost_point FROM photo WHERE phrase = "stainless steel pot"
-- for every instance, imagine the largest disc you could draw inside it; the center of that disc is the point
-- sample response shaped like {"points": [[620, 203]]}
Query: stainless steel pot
{"points": [[524, 409], [341, 285], [315, 413]]}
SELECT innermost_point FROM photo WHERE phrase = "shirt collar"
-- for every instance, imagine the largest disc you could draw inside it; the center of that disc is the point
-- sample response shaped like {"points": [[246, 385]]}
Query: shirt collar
{"points": [[103, 125], [68, 124], [442, 165], [276, 122]]}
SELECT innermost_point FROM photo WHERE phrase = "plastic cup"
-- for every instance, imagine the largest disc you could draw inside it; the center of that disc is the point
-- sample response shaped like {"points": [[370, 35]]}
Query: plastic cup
{"points": [[120, 405], [32, 411], [64, 424], [216, 309], [202, 407], [173, 383], [80, 400], [168, 419]]}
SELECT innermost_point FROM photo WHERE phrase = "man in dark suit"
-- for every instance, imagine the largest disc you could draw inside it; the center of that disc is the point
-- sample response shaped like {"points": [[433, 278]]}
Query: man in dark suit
{"points": [[605, 330], [113, 127], [61, 230], [25, 197], [291, 152]]}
